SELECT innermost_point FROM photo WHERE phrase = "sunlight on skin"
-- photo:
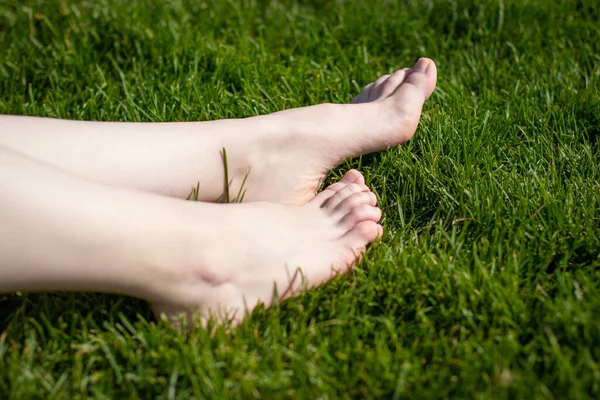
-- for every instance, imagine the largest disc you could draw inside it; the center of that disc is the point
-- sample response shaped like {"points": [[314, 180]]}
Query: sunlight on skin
{"points": [[323, 237], [290, 152]]}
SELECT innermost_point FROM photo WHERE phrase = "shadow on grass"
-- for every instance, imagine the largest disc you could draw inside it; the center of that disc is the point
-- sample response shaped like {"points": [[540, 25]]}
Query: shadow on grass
{"points": [[588, 114], [57, 308]]}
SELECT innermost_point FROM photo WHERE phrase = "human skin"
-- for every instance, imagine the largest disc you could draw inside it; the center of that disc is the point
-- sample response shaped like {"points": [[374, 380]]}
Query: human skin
{"points": [[59, 231], [97, 206], [289, 152]]}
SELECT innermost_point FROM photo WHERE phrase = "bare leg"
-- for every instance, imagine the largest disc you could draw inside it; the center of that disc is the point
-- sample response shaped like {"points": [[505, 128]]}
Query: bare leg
{"points": [[59, 231], [62, 232], [290, 152]]}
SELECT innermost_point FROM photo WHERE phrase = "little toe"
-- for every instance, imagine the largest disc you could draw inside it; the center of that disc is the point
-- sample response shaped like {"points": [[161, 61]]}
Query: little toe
{"points": [[344, 193], [360, 213]]}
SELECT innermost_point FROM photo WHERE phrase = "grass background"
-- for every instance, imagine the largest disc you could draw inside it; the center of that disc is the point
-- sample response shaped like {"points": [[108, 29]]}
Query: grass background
{"points": [[486, 284]]}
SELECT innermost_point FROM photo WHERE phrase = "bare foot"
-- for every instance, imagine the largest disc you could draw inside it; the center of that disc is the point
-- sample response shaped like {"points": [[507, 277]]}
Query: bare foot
{"points": [[259, 247], [88, 236], [290, 152], [289, 166]]}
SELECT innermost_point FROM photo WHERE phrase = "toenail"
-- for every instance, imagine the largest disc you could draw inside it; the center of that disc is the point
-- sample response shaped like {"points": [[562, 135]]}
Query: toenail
{"points": [[421, 65]]}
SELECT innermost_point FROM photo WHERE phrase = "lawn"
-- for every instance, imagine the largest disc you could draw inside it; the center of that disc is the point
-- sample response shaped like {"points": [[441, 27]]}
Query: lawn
{"points": [[487, 281]]}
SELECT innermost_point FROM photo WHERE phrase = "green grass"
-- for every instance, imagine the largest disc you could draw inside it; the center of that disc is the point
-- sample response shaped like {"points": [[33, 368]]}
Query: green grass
{"points": [[487, 282]]}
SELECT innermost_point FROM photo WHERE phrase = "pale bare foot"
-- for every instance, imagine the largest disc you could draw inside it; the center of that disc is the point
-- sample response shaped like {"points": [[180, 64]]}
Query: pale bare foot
{"points": [[289, 166], [290, 152], [259, 248], [87, 236]]}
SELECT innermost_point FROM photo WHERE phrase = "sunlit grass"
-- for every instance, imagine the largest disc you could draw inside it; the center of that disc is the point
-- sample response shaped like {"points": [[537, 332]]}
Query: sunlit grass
{"points": [[486, 283]]}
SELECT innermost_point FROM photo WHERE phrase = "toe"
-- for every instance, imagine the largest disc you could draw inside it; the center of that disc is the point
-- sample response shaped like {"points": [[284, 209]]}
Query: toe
{"points": [[353, 176], [375, 92], [357, 199], [358, 214], [407, 100], [424, 76], [344, 193], [418, 85], [362, 234], [363, 97], [395, 80], [323, 197]]}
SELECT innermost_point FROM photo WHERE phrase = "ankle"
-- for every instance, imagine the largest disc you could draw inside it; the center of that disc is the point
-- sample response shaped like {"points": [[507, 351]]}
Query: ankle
{"points": [[198, 256]]}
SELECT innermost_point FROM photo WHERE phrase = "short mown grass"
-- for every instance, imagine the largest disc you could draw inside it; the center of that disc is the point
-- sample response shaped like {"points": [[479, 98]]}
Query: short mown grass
{"points": [[487, 282]]}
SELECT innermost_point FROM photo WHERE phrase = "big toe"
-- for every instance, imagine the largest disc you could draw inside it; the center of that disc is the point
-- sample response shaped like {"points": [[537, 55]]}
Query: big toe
{"points": [[416, 88], [406, 102], [424, 76]]}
